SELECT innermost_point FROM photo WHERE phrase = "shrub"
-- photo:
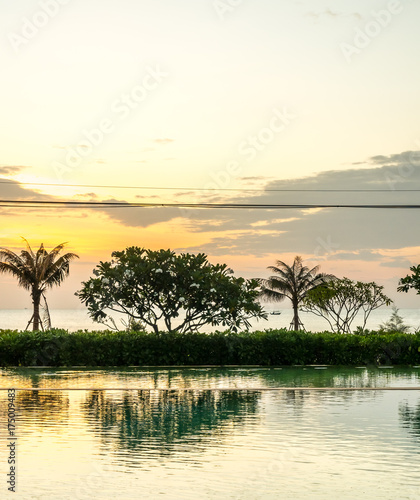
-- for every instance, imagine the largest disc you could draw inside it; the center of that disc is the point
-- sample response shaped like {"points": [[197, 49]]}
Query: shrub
{"points": [[266, 348]]}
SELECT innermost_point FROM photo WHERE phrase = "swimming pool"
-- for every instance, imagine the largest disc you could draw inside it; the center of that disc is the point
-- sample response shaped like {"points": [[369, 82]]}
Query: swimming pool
{"points": [[214, 433]]}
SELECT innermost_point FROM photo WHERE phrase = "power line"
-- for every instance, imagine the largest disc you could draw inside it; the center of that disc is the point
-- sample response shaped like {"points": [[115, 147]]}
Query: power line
{"points": [[247, 206], [213, 189]]}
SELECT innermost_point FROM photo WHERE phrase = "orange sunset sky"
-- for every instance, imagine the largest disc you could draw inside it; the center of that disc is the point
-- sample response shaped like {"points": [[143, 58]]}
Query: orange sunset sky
{"points": [[268, 102]]}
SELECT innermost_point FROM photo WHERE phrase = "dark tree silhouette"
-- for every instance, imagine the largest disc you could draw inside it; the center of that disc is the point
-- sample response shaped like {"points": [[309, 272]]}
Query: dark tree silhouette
{"points": [[36, 271], [292, 282]]}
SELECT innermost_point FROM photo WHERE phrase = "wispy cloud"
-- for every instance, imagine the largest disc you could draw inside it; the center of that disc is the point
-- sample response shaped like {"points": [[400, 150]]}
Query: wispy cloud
{"points": [[252, 180], [366, 255], [13, 190], [399, 262], [328, 13], [152, 196], [89, 196], [11, 169], [164, 140], [399, 159]]}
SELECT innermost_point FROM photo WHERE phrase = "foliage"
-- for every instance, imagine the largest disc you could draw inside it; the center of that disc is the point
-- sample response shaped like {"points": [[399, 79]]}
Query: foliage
{"points": [[266, 348], [292, 282], [160, 286], [133, 325], [395, 323], [36, 271], [340, 300], [410, 281]]}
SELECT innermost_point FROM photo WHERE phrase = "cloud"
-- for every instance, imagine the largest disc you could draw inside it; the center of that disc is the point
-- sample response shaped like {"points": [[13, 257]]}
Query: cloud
{"points": [[254, 181], [255, 178], [339, 233], [366, 255], [183, 195], [400, 159], [330, 14], [399, 262], [90, 196], [142, 196], [13, 190], [139, 216], [11, 169], [334, 231], [164, 140]]}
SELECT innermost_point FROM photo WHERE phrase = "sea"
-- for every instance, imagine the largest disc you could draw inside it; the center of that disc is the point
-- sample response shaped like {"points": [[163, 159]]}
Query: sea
{"points": [[78, 319]]}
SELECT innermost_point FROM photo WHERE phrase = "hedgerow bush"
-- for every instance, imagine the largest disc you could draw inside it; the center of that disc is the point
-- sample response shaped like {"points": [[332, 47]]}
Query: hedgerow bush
{"points": [[266, 348]]}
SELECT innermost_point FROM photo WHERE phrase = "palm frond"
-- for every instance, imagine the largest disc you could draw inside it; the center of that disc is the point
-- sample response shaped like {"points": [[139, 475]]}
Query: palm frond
{"points": [[17, 272], [57, 271], [292, 282], [272, 295], [28, 247], [40, 270]]}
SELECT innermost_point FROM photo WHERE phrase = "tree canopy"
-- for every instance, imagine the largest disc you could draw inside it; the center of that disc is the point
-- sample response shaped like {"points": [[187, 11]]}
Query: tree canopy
{"points": [[410, 281], [181, 292], [340, 300]]}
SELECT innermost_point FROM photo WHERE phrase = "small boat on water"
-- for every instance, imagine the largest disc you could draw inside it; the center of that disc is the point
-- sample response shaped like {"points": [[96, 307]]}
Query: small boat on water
{"points": [[275, 313]]}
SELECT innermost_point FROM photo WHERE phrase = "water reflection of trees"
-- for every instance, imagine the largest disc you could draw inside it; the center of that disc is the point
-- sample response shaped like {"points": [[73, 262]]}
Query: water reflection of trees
{"points": [[410, 418], [213, 378], [335, 377], [136, 419], [45, 408], [297, 402]]}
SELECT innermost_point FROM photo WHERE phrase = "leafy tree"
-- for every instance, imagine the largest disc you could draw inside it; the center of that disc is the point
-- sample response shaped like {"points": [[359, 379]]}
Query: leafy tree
{"points": [[340, 300], [36, 271], [410, 281], [395, 323], [160, 286], [292, 282]]}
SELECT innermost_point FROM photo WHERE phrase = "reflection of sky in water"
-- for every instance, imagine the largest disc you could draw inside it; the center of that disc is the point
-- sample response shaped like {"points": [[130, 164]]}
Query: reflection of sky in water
{"points": [[214, 444]]}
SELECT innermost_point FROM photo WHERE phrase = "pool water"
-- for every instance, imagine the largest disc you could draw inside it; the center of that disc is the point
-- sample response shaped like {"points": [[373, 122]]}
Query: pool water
{"points": [[214, 433]]}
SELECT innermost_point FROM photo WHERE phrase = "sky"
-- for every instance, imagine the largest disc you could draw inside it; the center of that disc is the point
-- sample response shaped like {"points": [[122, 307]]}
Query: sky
{"points": [[212, 101]]}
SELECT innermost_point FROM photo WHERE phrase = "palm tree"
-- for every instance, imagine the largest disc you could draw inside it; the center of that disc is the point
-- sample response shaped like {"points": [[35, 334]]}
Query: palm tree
{"points": [[36, 271], [292, 282]]}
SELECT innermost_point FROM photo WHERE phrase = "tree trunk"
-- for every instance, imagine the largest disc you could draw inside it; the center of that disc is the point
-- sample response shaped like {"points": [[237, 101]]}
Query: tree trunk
{"points": [[295, 317], [36, 299]]}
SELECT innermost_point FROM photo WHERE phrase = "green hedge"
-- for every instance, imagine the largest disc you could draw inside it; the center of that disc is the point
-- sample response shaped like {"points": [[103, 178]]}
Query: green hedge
{"points": [[267, 348]]}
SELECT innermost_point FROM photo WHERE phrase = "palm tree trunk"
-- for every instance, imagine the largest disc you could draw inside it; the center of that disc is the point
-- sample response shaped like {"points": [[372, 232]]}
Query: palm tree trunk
{"points": [[295, 316], [36, 299]]}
